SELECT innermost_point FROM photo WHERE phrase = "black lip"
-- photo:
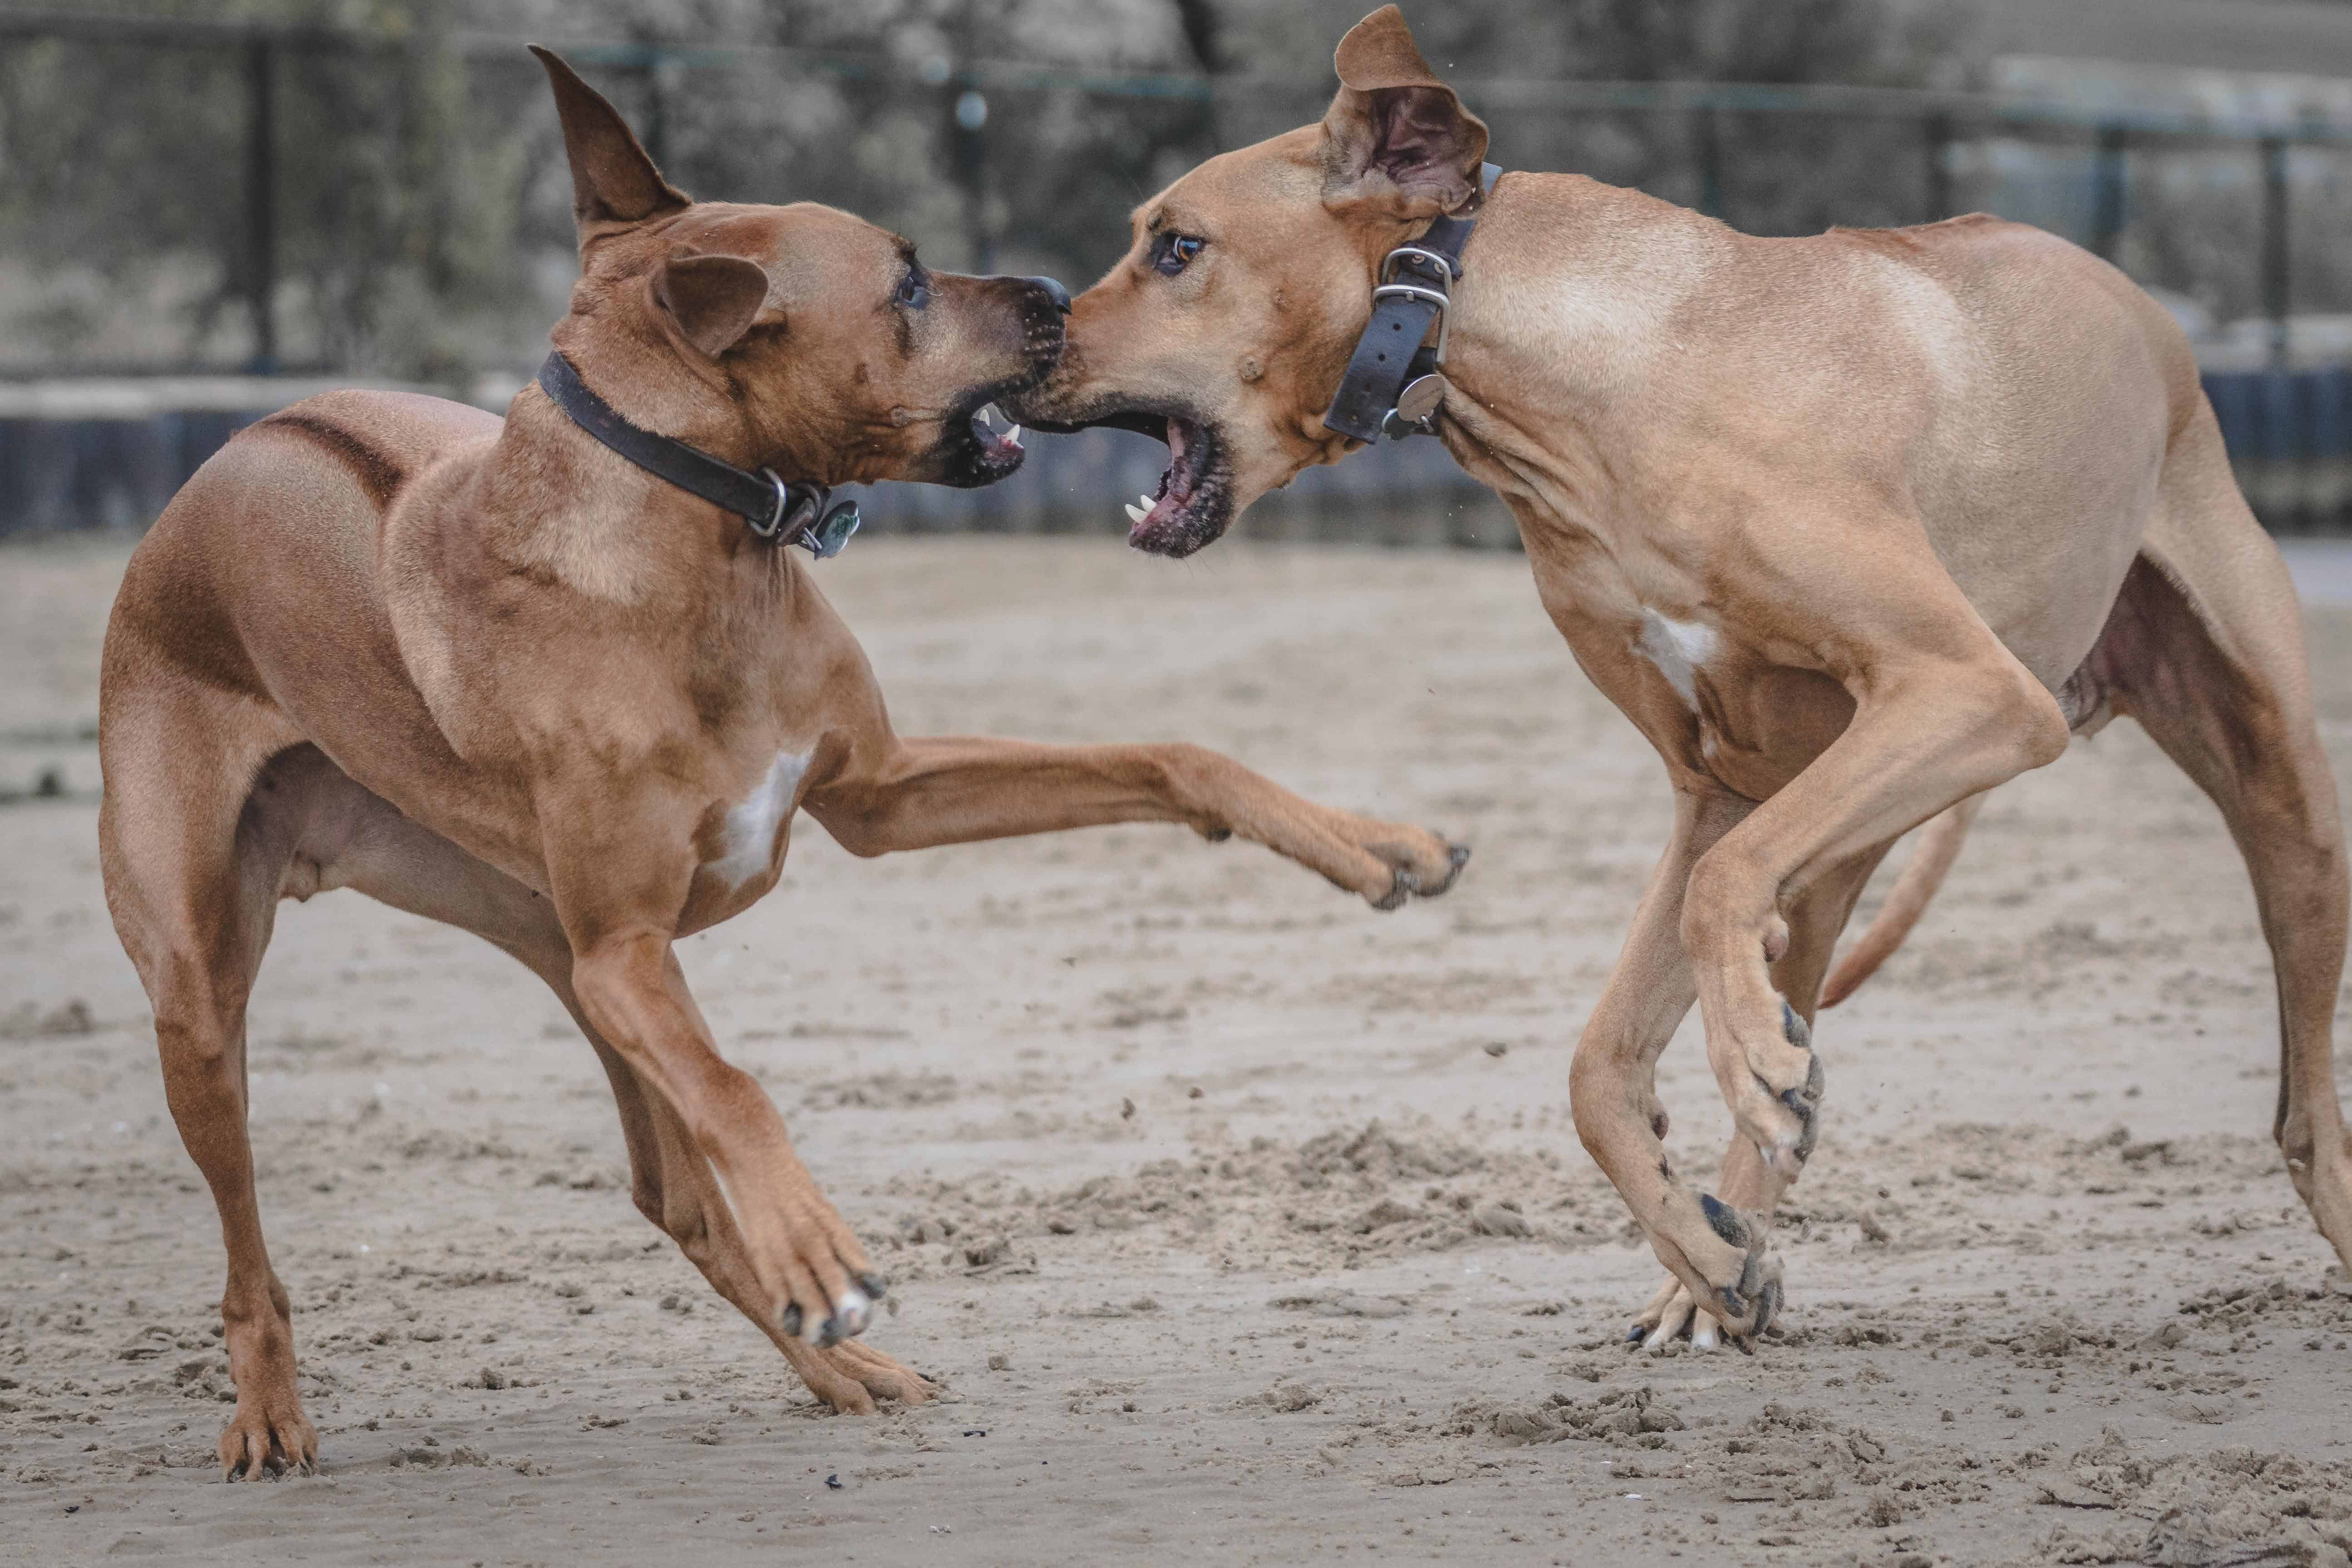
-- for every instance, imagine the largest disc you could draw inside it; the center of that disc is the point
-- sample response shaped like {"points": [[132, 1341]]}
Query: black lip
{"points": [[965, 463], [1208, 509]]}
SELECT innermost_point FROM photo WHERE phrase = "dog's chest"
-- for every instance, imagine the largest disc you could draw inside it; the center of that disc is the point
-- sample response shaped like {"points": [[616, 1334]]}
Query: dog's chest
{"points": [[745, 847], [1754, 724]]}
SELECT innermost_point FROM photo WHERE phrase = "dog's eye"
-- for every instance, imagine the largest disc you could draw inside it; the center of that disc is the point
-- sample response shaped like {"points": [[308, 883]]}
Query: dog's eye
{"points": [[915, 290], [1171, 253]]}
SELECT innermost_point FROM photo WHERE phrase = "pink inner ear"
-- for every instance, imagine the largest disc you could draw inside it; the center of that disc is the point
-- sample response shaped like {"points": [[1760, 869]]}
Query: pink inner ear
{"points": [[1419, 138]]}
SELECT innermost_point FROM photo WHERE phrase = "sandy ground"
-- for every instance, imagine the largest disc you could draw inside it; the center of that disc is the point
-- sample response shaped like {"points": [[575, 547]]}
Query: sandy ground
{"points": [[1242, 1222]]}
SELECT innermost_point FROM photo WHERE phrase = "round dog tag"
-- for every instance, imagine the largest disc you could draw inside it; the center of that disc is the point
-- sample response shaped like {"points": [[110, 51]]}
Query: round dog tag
{"points": [[1420, 399], [827, 538]]}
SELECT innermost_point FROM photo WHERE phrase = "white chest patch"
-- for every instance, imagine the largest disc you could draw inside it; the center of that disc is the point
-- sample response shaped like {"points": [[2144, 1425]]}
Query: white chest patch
{"points": [[1679, 649], [751, 841]]}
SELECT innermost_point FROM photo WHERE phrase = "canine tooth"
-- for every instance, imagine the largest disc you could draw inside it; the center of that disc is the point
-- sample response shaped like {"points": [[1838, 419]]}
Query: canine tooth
{"points": [[1148, 502], [1136, 513], [1014, 438]]}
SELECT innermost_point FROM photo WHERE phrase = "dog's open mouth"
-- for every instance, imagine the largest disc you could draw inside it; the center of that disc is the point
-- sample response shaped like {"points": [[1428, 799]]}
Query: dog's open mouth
{"points": [[1194, 501], [976, 453]]}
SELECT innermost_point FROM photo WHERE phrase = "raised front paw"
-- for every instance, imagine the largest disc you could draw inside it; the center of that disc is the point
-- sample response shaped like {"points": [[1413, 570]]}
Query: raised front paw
{"points": [[1419, 863]]}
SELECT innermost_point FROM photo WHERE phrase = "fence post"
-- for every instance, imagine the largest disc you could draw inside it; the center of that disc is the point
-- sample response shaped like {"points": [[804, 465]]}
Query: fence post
{"points": [[261, 198], [2277, 276], [1939, 167], [1709, 128], [2107, 216], [657, 137]]}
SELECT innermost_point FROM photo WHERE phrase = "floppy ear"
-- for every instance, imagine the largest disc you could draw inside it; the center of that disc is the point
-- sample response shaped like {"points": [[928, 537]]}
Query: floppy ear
{"points": [[713, 299], [614, 184], [1396, 137]]}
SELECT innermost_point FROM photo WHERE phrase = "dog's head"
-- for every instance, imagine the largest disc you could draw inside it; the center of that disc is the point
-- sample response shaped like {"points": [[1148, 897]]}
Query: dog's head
{"points": [[797, 337], [1226, 327]]}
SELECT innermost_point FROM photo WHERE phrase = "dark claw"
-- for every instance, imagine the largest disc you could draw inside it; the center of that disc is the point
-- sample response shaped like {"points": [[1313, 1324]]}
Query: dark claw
{"points": [[874, 1285], [1218, 835], [1751, 1272], [792, 1320], [1793, 1029], [1636, 1334], [1768, 1307], [1400, 888], [828, 1333], [1723, 1219]]}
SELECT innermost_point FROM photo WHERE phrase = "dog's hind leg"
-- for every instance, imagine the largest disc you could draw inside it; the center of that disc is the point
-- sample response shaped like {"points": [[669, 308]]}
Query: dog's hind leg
{"points": [[1815, 917], [2205, 648], [193, 849], [1612, 1091]]}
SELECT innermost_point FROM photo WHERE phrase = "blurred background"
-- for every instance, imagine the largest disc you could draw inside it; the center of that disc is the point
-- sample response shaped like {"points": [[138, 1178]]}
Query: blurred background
{"points": [[210, 209]]}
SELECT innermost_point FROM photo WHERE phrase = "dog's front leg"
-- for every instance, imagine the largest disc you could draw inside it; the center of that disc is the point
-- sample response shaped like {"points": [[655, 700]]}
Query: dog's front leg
{"points": [[1815, 917], [957, 790], [621, 870], [818, 1283]]}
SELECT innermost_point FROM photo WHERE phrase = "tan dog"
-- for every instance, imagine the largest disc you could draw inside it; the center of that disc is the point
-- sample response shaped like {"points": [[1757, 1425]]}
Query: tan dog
{"points": [[1852, 527], [494, 674]]}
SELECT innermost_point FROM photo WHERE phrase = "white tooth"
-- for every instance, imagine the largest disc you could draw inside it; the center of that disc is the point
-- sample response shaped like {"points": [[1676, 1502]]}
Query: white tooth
{"points": [[1148, 502], [1136, 513], [1013, 439]]}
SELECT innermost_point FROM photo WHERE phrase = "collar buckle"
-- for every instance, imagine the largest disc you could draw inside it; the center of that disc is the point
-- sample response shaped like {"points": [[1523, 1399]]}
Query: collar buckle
{"points": [[797, 507], [1414, 291]]}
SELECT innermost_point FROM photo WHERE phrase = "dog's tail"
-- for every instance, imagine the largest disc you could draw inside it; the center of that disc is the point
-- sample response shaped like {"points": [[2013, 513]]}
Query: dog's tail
{"points": [[1939, 846]]}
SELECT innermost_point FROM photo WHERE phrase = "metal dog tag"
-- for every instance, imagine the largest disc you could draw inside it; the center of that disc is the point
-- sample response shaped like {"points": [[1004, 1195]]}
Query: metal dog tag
{"points": [[827, 538], [1418, 403]]}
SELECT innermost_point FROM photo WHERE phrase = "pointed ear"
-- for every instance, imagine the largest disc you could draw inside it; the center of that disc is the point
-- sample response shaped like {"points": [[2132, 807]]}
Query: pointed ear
{"points": [[613, 181], [1396, 137], [713, 299]]}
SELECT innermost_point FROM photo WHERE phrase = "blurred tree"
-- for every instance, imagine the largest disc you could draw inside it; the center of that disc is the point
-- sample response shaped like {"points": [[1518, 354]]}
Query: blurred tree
{"points": [[422, 207]]}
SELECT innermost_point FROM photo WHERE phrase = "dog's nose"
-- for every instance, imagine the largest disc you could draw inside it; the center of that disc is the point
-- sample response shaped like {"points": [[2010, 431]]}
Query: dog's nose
{"points": [[1053, 291]]}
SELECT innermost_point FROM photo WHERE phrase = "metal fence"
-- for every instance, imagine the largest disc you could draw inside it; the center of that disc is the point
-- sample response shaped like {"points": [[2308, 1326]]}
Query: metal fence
{"points": [[347, 205]]}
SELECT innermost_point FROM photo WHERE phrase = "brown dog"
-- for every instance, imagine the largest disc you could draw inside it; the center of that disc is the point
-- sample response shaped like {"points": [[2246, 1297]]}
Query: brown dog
{"points": [[494, 674], [1852, 527]]}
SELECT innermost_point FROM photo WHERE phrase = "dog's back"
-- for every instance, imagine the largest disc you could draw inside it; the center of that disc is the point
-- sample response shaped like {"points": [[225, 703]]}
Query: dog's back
{"points": [[269, 556]]}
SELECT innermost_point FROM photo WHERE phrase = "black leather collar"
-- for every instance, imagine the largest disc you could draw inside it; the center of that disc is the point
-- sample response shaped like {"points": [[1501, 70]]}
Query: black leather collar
{"points": [[795, 513], [1416, 286]]}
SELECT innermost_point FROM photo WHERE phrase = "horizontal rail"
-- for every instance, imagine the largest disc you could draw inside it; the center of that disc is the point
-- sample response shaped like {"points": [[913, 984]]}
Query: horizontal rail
{"points": [[1963, 110]]}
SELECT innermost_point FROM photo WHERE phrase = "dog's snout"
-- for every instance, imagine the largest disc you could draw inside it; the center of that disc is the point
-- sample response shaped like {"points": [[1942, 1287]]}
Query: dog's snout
{"points": [[1053, 291]]}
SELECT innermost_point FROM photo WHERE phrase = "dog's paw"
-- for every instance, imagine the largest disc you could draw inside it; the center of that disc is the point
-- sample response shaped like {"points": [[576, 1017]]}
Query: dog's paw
{"points": [[1420, 864], [268, 1436], [1671, 1320], [850, 1377], [1744, 1305], [1779, 1109]]}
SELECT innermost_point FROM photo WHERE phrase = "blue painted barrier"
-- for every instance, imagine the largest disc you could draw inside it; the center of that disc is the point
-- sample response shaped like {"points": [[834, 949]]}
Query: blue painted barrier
{"points": [[110, 456]]}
